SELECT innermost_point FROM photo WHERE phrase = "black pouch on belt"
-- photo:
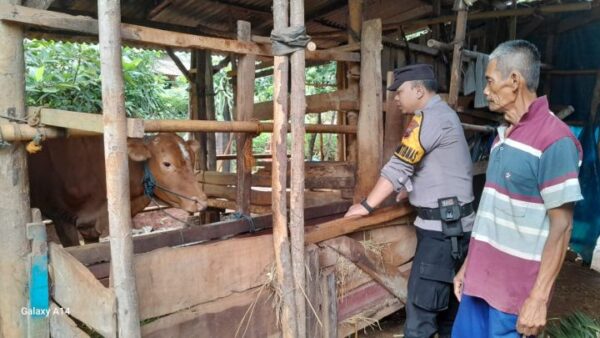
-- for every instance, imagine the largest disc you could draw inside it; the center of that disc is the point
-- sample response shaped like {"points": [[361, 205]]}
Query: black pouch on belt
{"points": [[450, 215]]}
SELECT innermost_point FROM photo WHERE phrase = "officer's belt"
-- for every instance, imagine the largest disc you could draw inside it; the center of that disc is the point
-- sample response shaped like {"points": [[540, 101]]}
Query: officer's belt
{"points": [[433, 214]]}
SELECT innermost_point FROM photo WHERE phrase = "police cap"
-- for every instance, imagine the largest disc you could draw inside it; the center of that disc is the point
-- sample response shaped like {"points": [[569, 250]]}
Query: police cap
{"points": [[414, 72]]}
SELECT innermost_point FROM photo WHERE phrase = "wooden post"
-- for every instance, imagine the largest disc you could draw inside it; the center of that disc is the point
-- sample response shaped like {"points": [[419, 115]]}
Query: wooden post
{"points": [[459, 37], [244, 108], [355, 11], [512, 23], [329, 308], [340, 79], [117, 167], [394, 122], [39, 287], [211, 142], [297, 112], [370, 119], [549, 58], [14, 187], [199, 76], [283, 264]]}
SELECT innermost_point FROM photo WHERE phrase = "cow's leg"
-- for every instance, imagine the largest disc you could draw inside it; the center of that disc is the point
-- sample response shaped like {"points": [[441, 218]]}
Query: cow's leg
{"points": [[67, 233]]}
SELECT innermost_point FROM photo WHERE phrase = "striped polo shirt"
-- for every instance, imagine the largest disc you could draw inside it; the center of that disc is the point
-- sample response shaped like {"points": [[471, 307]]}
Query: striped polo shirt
{"points": [[532, 170]]}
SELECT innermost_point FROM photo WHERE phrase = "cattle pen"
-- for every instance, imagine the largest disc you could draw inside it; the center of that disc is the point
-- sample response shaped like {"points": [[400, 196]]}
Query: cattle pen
{"points": [[289, 265]]}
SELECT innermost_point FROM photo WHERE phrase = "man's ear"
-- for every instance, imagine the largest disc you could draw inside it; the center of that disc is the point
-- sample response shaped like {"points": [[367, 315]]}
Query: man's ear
{"points": [[137, 150], [515, 80]]}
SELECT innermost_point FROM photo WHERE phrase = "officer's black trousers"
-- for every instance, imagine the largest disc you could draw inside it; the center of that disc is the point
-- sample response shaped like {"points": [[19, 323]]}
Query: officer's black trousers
{"points": [[431, 305]]}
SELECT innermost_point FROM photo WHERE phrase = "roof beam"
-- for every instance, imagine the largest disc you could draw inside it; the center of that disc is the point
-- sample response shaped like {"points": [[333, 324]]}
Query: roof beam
{"points": [[152, 36]]}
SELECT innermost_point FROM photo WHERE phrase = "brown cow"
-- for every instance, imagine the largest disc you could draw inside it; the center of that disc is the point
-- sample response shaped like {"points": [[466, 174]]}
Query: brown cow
{"points": [[68, 181]]}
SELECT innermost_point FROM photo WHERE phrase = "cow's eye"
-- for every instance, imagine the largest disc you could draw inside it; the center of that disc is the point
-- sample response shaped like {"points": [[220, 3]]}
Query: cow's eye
{"points": [[167, 164]]}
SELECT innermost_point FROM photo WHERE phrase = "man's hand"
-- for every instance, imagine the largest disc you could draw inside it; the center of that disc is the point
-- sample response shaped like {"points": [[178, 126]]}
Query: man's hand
{"points": [[356, 210], [532, 317], [459, 281]]}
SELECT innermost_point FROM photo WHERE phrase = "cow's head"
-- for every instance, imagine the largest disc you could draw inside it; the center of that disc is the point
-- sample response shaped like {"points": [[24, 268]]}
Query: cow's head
{"points": [[170, 159]]}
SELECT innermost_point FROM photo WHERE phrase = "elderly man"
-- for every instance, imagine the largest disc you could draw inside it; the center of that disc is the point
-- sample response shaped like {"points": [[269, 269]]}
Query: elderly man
{"points": [[432, 164], [525, 215]]}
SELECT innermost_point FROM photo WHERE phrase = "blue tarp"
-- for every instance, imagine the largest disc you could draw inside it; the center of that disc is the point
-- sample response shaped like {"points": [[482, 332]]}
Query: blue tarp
{"points": [[580, 49]]}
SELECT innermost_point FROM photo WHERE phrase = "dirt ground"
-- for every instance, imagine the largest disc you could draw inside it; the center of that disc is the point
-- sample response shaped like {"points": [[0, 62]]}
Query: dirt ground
{"points": [[577, 289]]}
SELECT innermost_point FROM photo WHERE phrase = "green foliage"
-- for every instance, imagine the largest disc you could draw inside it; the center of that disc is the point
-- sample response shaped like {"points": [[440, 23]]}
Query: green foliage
{"points": [[67, 76], [319, 79], [576, 325]]}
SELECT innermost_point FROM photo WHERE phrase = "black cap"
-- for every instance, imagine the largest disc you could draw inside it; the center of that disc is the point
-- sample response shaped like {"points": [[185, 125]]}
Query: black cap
{"points": [[414, 72]]}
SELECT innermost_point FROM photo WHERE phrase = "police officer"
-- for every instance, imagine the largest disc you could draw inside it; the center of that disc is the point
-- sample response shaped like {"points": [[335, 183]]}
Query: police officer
{"points": [[433, 167]]}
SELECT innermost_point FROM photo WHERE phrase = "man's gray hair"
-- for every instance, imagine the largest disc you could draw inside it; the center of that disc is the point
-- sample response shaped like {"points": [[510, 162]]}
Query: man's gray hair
{"points": [[521, 56]]}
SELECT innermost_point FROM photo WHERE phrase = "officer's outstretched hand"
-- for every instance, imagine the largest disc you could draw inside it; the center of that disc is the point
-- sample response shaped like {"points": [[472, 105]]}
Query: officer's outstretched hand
{"points": [[356, 210]]}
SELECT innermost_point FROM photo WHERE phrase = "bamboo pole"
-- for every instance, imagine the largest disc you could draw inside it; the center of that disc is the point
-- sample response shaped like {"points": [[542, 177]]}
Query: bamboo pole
{"points": [[244, 109], [297, 113], [236, 127], [14, 187], [283, 264], [117, 171], [13, 132], [461, 29]]}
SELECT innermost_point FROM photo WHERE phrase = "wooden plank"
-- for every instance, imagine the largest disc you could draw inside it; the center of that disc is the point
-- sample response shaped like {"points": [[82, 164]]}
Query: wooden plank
{"points": [[244, 104], [281, 244], [76, 289], [61, 326], [351, 224], [223, 204], [329, 312], [313, 294], [84, 121], [388, 237], [150, 36], [264, 198], [374, 311], [100, 252], [399, 242], [14, 186], [165, 276], [116, 161], [296, 200], [370, 120], [248, 314], [456, 68], [356, 300], [326, 181], [385, 275], [341, 100], [133, 33]]}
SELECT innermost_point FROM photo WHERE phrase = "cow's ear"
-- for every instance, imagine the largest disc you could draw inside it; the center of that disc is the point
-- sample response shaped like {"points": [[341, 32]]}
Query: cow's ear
{"points": [[194, 145], [137, 150]]}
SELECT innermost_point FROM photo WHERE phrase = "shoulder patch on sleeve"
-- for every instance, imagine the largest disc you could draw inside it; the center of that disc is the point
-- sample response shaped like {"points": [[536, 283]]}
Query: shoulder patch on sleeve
{"points": [[411, 150]]}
